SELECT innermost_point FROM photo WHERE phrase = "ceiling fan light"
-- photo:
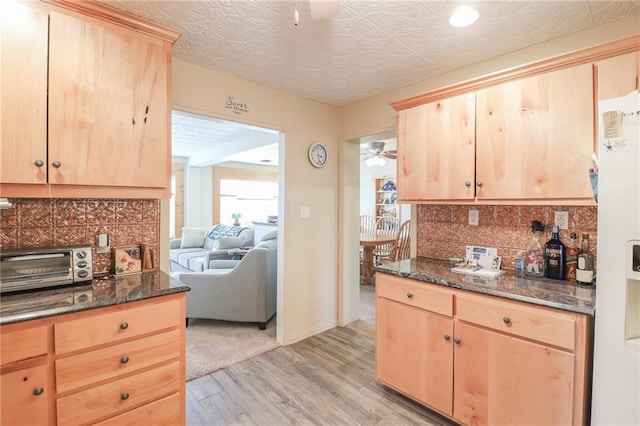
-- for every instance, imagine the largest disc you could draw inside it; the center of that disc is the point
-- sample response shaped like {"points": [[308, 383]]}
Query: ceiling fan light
{"points": [[370, 161], [463, 16]]}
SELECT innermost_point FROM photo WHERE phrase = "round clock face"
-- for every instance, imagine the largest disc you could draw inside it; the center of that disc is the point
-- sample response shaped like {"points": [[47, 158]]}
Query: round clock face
{"points": [[318, 155]]}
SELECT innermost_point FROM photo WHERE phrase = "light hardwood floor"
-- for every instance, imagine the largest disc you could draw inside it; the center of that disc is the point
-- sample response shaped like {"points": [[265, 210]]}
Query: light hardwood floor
{"points": [[327, 379]]}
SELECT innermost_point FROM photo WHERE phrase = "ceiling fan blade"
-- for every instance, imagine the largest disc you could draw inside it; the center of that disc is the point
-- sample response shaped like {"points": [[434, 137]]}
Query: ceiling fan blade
{"points": [[324, 9], [390, 154]]}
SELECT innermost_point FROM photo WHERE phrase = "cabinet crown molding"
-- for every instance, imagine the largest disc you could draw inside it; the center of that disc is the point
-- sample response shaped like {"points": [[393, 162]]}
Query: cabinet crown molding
{"points": [[578, 57], [119, 17]]}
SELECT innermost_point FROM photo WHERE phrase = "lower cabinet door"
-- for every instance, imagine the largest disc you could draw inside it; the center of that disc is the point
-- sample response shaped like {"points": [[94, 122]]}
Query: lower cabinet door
{"points": [[24, 397], [118, 396], [503, 380], [414, 353]]}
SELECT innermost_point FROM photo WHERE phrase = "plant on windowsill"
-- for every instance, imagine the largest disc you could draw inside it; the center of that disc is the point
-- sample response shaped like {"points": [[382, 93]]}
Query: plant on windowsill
{"points": [[236, 216]]}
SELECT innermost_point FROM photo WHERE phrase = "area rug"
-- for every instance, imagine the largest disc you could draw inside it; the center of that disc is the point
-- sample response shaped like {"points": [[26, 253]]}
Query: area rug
{"points": [[212, 345], [366, 325]]}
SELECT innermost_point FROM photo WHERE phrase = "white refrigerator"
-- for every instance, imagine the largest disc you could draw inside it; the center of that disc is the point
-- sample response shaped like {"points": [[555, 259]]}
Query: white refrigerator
{"points": [[616, 364]]}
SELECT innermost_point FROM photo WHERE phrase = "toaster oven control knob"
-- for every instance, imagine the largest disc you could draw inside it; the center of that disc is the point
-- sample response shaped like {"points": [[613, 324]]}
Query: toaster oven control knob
{"points": [[81, 254], [82, 264], [82, 273]]}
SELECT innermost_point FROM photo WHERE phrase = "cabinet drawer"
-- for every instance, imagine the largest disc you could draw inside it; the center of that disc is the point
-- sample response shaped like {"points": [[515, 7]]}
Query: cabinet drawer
{"points": [[23, 344], [554, 328], [112, 327], [118, 396], [414, 293], [125, 358], [163, 412]]}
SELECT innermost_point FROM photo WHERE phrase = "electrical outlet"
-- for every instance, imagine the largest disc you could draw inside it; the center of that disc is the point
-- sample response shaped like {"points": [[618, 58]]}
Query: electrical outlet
{"points": [[561, 220], [474, 217]]}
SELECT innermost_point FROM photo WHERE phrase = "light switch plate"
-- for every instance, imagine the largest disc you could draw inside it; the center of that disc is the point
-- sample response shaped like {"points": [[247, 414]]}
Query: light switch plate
{"points": [[474, 217], [305, 212]]}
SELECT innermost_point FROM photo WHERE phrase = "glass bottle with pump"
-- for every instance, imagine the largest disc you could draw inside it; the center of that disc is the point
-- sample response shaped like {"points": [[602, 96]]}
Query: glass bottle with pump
{"points": [[554, 256], [585, 267], [571, 262]]}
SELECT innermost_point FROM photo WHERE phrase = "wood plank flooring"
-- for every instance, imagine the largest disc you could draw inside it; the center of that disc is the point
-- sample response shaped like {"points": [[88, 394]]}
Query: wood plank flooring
{"points": [[327, 379]]}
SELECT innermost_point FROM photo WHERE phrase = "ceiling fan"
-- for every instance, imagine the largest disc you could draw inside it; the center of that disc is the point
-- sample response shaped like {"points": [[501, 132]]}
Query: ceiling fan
{"points": [[374, 153]]}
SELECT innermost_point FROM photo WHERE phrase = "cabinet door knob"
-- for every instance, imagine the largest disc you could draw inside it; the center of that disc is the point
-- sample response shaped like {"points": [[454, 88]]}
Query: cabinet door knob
{"points": [[124, 396], [467, 184], [56, 164], [456, 340], [39, 163], [447, 337], [409, 295], [479, 183], [124, 359], [38, 391], [124, 325], [506, 320]]}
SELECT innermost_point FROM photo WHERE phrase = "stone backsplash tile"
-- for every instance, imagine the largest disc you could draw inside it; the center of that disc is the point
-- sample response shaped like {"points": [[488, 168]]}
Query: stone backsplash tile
{"points": [[55, 222], [443, 230]]}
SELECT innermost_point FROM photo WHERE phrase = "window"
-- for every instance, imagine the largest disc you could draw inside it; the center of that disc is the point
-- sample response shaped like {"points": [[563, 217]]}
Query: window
{"points": [[255, 200]]}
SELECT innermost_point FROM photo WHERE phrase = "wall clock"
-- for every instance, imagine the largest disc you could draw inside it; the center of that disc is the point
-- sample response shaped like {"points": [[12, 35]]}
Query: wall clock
{"points": [[318, 155]]}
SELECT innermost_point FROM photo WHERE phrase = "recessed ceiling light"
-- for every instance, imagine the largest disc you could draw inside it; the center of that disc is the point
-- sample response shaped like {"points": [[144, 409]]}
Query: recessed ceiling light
{"points": [[463, 16]]}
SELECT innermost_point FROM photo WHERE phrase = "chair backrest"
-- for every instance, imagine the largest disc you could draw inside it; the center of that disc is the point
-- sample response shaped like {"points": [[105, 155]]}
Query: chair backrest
{"points": [[402, 247], [387, 225], [367, 224]]}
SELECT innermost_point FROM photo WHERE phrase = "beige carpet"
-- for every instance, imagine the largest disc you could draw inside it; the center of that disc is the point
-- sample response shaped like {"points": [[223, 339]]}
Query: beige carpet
{"points": [[212, 345], [366, 325]]}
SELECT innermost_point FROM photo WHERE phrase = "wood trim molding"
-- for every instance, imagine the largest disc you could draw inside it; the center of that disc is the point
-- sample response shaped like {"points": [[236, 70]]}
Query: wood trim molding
{"points": [[115, 16], [592, 54]]}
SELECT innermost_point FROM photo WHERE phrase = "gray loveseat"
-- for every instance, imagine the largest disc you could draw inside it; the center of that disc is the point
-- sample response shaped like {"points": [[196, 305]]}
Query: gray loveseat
{"points": [[199, 246], [236, 290]]}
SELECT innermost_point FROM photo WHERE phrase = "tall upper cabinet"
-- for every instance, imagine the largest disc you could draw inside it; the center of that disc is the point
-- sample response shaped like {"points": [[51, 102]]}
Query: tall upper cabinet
{"points": [[105, 125], [524, 135]]}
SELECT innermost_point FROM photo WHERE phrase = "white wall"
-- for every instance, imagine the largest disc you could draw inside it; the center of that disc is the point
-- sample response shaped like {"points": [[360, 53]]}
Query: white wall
{"points": [[199, 197], [307, 256]]}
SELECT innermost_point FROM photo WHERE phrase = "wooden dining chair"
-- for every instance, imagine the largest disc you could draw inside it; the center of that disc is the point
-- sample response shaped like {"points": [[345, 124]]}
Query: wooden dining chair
{"points": [[402, 248], [367, 224], [386, 225]]}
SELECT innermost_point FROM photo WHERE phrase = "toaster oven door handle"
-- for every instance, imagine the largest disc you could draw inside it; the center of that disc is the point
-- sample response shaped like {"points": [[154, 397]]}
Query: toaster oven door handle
{"points": [[33, 257]]}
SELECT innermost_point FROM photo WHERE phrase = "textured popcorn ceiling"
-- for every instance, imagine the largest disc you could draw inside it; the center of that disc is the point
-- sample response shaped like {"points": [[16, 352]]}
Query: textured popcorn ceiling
{"points": [[370, 47]]}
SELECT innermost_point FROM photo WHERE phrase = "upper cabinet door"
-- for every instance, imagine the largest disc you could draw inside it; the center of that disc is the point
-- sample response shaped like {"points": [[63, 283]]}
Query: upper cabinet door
{"points": [[534, 137], [108, 105], [23, 96], [618, 76], [436, 150]]}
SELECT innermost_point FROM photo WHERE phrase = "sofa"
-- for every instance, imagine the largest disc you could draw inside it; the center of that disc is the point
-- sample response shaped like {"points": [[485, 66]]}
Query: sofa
{"points": [[236, 290], [197, 247]]}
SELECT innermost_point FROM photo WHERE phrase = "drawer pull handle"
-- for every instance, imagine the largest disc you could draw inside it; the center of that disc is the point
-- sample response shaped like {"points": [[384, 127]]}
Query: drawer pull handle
{"points": [[124, 325], [39, 163], [124, 396], [447, 337], [38, 391], [467, 184], [409, 295], [456, 340], [124, 359], [506, 320], [56, 164]]}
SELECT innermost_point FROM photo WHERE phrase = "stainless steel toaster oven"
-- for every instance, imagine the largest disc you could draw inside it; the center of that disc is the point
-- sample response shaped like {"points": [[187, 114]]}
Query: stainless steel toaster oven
{"points": [[33, 268]]}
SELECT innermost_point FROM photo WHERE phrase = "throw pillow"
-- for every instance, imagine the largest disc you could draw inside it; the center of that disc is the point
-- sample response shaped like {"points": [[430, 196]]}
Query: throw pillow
{"points": [[229, 242], [192, 237]]}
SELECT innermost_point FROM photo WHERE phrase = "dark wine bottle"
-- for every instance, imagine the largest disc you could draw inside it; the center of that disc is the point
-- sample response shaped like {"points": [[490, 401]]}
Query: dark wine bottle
{"points": [[554, 256]]}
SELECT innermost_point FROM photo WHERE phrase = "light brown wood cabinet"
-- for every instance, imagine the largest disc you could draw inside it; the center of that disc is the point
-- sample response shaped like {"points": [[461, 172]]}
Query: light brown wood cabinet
{"points": [[480, 359], [535, 136], [526, 140], [436, 150], [94, 116], [122, 364], [618, 76]]}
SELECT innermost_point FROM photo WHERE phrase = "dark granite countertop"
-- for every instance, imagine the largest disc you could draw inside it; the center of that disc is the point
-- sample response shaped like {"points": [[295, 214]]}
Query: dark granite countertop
{"points": [[562, 295], [101, 292]]}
